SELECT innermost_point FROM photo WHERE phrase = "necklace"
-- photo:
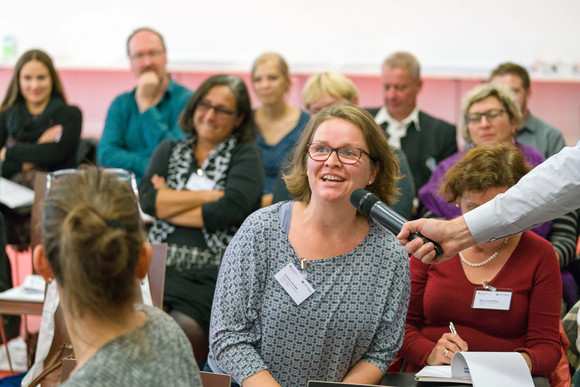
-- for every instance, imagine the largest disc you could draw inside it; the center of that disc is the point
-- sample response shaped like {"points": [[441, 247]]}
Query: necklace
{"points": [[488, 258]]}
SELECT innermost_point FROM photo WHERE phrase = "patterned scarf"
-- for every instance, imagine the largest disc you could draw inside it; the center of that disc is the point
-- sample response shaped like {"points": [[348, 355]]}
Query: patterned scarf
{"points": [[215, 167]]}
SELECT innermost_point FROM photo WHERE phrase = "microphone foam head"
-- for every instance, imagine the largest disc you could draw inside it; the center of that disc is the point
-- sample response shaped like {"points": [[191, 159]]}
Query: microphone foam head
{"points": [[363, 200]]}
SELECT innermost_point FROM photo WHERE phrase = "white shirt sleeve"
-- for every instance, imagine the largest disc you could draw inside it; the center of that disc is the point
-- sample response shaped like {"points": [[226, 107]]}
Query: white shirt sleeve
{"points": [[550, 190]]}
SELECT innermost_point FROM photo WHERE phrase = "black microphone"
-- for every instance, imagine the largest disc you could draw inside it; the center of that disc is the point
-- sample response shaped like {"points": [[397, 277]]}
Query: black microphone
{"points": [[370, 205]]}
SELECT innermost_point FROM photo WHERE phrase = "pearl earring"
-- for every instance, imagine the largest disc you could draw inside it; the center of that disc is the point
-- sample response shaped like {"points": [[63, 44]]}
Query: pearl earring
{"points": [[370, 182]]}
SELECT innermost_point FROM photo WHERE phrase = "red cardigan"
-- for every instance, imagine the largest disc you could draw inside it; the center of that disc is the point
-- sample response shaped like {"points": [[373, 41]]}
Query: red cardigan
{"points": [[441, 293]]}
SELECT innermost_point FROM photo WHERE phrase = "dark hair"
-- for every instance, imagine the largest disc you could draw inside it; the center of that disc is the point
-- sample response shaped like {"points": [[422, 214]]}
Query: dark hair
{"points": [[381, 153], [92, 235], [244, 132], [144, 29], [515, 69], [14, 94], [483, 167]]}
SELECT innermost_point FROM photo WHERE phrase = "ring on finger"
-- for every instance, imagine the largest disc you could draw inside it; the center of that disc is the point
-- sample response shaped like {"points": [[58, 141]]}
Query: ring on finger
{"points": [[445, 353]]}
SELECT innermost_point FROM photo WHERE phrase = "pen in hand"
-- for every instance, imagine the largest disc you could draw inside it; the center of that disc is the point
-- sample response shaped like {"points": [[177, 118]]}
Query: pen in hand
{"points": [[452, 328]]}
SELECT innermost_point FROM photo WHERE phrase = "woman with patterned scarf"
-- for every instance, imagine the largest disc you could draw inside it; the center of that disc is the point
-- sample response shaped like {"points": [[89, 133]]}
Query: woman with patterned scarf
{"points": [[200, 190]]}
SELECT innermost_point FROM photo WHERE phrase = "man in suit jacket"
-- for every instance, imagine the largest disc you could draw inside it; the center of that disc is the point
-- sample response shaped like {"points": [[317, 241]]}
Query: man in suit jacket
{"points": [[424, 139]]}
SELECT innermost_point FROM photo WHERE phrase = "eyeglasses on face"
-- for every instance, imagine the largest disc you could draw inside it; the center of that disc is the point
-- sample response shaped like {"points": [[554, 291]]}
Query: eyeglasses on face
{"points": [[221, 112], [491, 115], [345, 154], [153, 54]]}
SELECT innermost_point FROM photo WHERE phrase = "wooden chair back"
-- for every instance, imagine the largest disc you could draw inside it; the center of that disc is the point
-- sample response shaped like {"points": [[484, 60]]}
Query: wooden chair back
{"points": [[209, 379], [157, 273], [37, 209]]}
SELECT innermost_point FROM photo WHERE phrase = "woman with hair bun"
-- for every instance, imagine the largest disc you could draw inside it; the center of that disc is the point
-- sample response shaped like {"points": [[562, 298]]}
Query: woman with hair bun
{"points": [[93, 247]]}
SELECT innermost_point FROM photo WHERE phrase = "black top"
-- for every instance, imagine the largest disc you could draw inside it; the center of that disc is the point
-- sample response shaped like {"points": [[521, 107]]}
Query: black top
{"points": [[19, 131], [243, 189]]}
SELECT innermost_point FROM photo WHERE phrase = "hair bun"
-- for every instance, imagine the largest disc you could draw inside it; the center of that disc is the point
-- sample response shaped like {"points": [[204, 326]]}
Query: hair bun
{"points": [[101, 240]]}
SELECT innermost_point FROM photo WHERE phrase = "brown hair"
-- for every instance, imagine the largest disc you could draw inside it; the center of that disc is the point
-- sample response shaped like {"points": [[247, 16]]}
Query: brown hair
{"points": [[277, 59], [381, 153], [512, 68], [14, 94], [483, 167], [246, 130], [92, 234]]}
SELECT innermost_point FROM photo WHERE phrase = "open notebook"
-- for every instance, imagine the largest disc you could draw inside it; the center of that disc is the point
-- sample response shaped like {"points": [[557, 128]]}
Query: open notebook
{"points": [[15, 195], [481, 369]]}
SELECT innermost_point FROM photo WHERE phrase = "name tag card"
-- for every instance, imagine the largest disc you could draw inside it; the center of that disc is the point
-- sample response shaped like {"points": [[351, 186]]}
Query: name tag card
{"points": [[294, 283], [199, 183], [498, 300]]}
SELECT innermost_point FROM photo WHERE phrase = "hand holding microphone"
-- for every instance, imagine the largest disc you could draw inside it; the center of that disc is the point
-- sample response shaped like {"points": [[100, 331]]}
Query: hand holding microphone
{"points": [[370, 205]]}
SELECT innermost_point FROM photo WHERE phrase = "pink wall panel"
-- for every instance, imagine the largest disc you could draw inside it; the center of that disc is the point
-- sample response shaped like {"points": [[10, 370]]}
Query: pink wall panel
{"points": [[556, 102], [93, 92]]}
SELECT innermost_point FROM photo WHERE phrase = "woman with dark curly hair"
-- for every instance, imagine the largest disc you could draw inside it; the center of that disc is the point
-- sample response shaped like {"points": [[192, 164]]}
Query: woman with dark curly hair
{"points": [[200, 190]]}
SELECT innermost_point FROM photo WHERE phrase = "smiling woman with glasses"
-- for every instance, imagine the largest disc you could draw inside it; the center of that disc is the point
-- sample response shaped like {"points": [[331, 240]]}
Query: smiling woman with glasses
{"points": [[490, 115], [200, 190], [350, 275]]}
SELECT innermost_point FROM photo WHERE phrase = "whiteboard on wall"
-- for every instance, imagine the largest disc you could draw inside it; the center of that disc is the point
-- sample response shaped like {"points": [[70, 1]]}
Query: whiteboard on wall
{"points": [[344, 35]]}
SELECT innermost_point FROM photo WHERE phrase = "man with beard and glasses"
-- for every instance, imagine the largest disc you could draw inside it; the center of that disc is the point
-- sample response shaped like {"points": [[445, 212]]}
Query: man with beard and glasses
{"points": [[138, 120]]}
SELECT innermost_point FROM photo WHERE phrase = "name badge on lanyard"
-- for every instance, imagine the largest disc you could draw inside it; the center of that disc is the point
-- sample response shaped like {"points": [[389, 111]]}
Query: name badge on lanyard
{"points": [[294, 283], [198, 181], [489, 297]]}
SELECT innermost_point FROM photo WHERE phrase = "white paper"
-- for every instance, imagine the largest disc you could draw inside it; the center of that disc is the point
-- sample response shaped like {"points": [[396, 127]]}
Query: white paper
{"points": [[15, 195], [481, 369], [435, 371], [20, 294], [440, 374], [18, 355], [34, 283], [498, 369], [294, 283]]}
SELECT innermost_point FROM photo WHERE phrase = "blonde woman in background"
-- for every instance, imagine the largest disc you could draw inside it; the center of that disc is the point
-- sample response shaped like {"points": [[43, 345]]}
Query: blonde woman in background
{"points": [[279, 124]]}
